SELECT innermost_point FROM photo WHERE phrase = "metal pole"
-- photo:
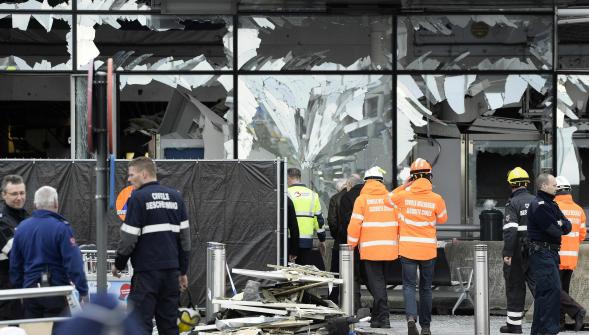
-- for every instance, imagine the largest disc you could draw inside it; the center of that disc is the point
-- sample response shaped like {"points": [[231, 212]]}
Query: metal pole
{"points": [[481, 275], [215, 277], [346, 270], [101, 153]]}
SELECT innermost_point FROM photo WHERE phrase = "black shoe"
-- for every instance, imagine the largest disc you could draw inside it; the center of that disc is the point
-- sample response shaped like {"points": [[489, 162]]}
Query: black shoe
{"points": [[412, 328], [425, 330], [511, 329], [580, 319]]}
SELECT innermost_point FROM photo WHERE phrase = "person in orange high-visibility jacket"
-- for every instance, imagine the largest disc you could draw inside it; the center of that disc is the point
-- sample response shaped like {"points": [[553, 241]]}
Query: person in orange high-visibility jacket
{"points": [[569, 249], [419, 210], [373, 229]]}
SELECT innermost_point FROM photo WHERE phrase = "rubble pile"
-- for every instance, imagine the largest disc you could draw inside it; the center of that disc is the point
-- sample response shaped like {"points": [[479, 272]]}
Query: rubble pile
{"points": [[281, 301]]}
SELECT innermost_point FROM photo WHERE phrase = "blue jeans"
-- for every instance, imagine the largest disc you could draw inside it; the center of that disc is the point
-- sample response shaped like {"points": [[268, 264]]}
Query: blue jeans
{"points": [[543, 263], [426, 275]]}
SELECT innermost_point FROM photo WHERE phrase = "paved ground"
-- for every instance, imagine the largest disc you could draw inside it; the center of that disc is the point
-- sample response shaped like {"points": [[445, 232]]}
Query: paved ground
{"points": [[447, 325]]}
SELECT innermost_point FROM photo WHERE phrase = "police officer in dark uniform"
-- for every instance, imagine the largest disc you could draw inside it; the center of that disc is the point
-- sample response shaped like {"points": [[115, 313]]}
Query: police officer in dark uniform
{"points": [[44, 253], [515, 257], [156, 236], [12, 212], [546, 225]]}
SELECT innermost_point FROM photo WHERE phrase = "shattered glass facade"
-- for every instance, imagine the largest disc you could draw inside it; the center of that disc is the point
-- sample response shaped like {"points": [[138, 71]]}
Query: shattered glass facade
{"points": [[334, 93]]}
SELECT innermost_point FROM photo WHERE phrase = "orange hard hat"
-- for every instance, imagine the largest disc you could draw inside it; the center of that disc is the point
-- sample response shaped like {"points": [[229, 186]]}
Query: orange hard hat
{"points": [[420, 165]]}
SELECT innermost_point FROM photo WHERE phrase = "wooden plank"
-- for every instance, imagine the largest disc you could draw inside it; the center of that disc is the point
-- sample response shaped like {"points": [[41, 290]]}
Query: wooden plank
{"points": [[254, 309], [263, 304]]}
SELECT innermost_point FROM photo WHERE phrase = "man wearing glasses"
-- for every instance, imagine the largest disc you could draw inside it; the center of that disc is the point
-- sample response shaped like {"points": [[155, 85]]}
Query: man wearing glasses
{"points": [[12, 212]]}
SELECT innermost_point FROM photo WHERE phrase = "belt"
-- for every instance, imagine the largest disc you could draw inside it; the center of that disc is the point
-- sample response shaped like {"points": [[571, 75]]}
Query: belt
{"points": [[536, 245]]}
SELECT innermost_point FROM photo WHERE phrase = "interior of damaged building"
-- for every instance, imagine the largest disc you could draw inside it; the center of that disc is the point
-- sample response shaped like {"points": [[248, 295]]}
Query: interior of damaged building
{"points": [[227, 94]]}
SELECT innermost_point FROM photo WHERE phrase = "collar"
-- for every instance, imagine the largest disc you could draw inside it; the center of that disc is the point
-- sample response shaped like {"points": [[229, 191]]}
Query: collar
{"points": [[545, 196], [40, 213], [298, 184], [519, 191], [149, 184]]}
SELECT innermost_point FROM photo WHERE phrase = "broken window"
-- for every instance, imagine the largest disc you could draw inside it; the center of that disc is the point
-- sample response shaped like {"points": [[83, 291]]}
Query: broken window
{"points": [[573, 42], [482, 42], [35, 42], [35, 118], [573, 133], [35, 4], [315, 43], [329, 126], [487, 123], [156, 43], [168, 116], [105, 5]]}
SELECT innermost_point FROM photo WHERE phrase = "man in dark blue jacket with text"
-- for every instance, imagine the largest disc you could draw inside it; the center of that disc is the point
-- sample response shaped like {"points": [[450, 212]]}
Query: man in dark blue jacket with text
{"points": [[44, 253], [546, 225], [156, 236]]}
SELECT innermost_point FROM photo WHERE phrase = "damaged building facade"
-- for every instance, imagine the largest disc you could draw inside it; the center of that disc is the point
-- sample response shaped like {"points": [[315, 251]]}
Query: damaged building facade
{"points": [[332, 87]]}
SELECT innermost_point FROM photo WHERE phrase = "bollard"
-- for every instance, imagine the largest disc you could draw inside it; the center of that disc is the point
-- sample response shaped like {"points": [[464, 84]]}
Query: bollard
{"points": [[346, 270], [215, 277], [481, 299]]}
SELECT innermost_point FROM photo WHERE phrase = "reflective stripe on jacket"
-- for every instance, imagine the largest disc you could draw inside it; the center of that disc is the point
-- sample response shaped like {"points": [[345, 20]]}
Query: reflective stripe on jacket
{"points": [[419, 210], [308, 210], [570, 243], [374, 226]]}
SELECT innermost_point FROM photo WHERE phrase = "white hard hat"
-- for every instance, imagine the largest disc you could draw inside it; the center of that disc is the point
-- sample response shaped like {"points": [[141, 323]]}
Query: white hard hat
{"points": [[12, 331], [562, 183], [374, 172]]}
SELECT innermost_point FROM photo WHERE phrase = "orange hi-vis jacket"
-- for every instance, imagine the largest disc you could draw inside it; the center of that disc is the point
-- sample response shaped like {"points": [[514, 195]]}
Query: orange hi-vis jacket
{"points": [[569, 245], [419, 210], [374, 226]]}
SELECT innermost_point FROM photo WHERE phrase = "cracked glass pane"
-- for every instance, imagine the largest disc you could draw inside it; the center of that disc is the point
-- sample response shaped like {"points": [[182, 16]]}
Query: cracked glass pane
{"points": [[573, 42], [35, 119], [156, 43], [474, 42], [35, 42], [315, 43], [171, 116], [489, 123], [115, 5], [35, 4], [573, 134], [329, 126]]}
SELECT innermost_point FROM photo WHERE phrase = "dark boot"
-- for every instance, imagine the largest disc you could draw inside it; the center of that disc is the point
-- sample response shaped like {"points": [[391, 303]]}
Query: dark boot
{"points": [[511, 329], [580, 319], [412, 328], [425, 330]]}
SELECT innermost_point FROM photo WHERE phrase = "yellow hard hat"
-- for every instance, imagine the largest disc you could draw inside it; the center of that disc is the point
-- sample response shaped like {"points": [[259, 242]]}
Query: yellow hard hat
{"points": [[518, 177], [187, 319]]}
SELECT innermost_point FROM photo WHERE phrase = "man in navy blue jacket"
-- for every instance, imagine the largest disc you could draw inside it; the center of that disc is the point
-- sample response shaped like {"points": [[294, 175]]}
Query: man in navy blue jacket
{"points": [[156, 237], [546, 225], [44, 253]]}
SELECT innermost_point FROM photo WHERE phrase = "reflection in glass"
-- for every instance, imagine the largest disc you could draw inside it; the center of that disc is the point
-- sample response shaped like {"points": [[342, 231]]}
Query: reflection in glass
{"points": [[35, 4], [156, 43], [573, 134], [483, 42], [573, 42], [489, 123], [114, 4], [330, 126], [35, 42], [315, 43]]}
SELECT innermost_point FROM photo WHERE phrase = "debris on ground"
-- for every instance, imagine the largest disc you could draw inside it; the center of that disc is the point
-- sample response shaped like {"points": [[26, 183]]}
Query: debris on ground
{"points": [[282, 301]]}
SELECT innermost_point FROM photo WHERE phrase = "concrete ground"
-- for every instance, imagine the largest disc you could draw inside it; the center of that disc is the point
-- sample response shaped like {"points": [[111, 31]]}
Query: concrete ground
{"points": [[447, 325]]}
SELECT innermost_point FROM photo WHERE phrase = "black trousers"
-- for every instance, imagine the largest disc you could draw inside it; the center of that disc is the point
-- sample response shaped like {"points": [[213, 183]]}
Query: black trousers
{"points": [[9, 309], [375, 280], [543, 264], [568, 305], [308, 256], [156, 293], [516, 277], [334, 295], [47, 307]]}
